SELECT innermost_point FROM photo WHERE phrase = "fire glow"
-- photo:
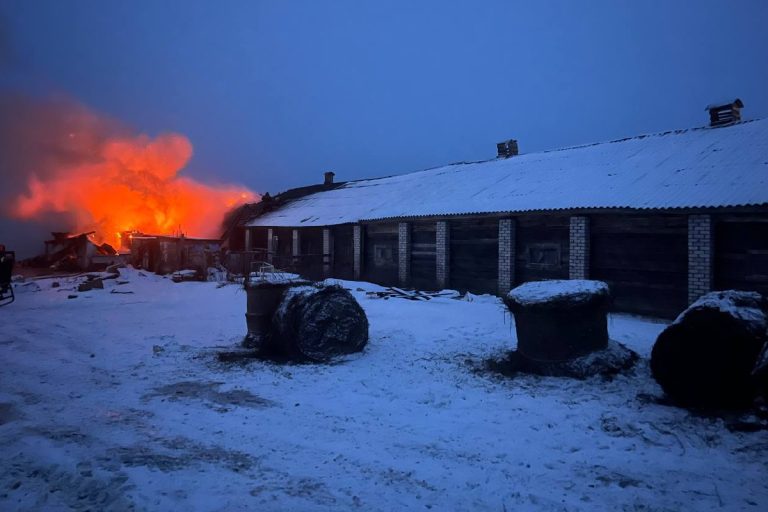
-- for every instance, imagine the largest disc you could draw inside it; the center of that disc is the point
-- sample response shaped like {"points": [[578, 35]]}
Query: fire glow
{"points": [[129, 183]]}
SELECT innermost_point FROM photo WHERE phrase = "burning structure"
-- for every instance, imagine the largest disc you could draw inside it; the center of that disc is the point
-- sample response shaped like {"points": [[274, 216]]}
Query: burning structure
{"points": [[85, 173], [66, 251]]}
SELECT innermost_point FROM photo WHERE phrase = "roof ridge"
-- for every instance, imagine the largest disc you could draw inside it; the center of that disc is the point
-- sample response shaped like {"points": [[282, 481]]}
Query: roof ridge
{"points": [[677, 131]]}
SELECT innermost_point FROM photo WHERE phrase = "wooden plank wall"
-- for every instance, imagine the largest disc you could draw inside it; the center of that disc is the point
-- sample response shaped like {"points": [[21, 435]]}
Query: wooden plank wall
{"points": [[741, 253], [311, 253], [380, 249], [258, 238], [311, 241], [237, 238], [542, 247], [283, 251], [644, 260], [423, 256], [343, 252], [474, 257]]}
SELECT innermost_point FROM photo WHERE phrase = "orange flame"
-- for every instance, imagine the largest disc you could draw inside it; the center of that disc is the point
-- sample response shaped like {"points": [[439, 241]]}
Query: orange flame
{"points": [[132, 184]]}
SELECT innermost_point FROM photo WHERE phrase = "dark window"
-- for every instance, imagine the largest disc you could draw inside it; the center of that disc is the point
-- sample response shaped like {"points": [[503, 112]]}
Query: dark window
{"points": [[757, 262], [383, 255], [545, 256]]}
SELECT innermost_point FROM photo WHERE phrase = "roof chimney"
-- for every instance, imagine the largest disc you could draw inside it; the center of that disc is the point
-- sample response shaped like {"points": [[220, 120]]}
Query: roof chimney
{"points": [[328, 178], [507, 148], [722, 114]]}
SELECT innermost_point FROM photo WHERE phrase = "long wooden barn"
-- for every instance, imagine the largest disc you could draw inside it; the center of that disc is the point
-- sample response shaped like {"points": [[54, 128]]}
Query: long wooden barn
{"points": [[662, 218]]}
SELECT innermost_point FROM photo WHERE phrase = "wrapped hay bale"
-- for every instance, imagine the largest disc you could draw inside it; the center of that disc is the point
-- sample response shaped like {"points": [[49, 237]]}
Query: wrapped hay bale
{"points": [[318, 323], [560, 320], [707, 358]]}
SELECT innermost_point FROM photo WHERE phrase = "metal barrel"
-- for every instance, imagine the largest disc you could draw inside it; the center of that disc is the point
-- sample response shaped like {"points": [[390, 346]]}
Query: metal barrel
{"points": [[263, 299], [262, 302]]}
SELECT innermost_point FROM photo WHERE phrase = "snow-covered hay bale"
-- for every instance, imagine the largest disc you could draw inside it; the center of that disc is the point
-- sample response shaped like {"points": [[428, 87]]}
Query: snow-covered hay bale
{"points": [[560, 320], [707, 357], [318, 323]]}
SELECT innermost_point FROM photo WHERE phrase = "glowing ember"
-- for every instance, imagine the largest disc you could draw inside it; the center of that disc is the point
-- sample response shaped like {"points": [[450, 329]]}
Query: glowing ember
{"points": [[122, 183]]}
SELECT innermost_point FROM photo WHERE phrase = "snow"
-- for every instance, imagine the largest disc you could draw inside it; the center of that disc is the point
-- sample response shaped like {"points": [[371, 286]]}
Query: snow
{"points": [[295, 291], [742, 305], [112, 401], [702, 167], [538, 292], [274, 277]]}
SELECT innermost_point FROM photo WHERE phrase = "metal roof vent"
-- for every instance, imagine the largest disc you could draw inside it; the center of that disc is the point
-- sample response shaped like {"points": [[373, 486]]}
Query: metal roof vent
{"points": [[328, 178], [722, 114], [507, 148]]}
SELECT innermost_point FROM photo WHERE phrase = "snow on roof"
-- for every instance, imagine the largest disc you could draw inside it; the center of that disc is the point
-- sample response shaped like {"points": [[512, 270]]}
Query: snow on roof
{"points": [[695, 168]]}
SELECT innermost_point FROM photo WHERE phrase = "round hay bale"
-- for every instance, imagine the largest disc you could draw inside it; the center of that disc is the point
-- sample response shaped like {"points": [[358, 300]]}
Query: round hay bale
{"points": [[560, 320], [707, 357], [318, 323]]}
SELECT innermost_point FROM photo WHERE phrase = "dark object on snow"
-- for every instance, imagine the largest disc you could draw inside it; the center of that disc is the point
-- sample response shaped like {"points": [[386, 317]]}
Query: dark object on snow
{"points": [[760, 373], [263, 298], [393, 292], [317, 324], [608, 362], [559, 320], [93, 284], [7, 259], [707, 357]]}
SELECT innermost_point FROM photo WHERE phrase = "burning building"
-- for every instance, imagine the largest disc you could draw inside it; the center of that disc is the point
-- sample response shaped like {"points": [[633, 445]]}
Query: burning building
{"points": [[93, 175]]}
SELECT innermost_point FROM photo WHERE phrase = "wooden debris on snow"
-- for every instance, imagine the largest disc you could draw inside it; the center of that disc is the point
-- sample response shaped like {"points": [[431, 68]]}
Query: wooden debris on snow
{"points": [[399, 293]]}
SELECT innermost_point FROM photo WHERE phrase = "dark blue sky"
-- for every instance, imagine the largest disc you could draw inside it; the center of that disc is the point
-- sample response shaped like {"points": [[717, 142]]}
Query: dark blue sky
{"points": [[273, 93]]}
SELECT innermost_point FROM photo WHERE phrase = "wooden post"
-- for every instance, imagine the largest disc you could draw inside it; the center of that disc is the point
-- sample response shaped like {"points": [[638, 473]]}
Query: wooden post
{"points": [[270, 246], [296, 248], [357, 241]]}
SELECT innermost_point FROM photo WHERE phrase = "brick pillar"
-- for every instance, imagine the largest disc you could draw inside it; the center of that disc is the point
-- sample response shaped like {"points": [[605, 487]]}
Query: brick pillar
{"points": [[700, 256], [404, 253], [327, 253], [357, 241], [506, 255], [270, 245], [247, 239], [295, 247], [443, 249], [578, 267]]}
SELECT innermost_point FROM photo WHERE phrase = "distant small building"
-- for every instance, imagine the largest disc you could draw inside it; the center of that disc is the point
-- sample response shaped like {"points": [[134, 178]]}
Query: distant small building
{"points": [[663, 218]]}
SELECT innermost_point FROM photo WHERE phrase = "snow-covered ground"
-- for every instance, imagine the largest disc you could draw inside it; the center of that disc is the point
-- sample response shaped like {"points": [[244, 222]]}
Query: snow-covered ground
{"points": [[116, 401]]}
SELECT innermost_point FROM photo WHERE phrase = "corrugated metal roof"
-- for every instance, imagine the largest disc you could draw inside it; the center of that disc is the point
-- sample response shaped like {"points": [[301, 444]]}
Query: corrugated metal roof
{"points": [[696, 168]]}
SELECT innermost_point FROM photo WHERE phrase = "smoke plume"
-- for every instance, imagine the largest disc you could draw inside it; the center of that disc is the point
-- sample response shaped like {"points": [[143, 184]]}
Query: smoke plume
{"points": [[71, 169]]}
